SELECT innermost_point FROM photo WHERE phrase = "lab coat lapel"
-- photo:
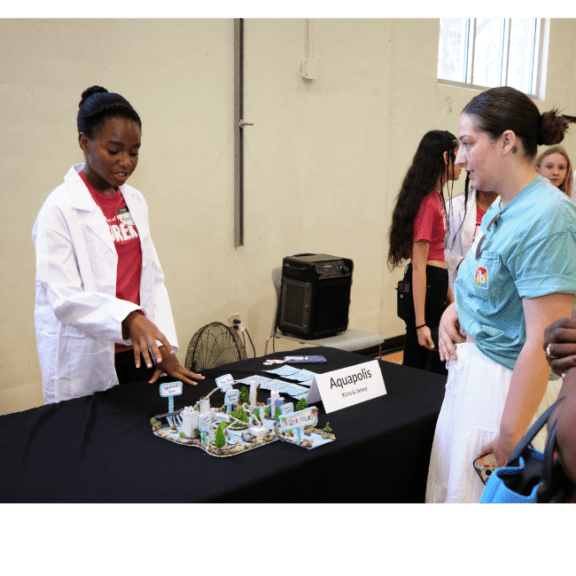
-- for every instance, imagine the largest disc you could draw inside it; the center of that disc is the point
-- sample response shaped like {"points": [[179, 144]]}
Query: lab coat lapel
{"points": [[89, 211]]}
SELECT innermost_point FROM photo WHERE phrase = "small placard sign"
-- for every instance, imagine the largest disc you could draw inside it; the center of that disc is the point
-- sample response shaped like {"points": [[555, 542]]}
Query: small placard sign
{"points": [[171, 389], [224, 381], [205, 420], [232, 397], [287, 408], [352, 385]]}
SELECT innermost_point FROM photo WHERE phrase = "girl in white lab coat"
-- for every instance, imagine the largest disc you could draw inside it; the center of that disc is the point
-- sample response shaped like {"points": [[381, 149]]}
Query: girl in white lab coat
{"points": [[102, 311]]}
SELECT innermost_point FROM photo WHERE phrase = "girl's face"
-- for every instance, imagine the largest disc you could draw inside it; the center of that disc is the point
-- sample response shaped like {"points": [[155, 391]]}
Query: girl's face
{"points": [[555, 168], [452, 170], [478, 154], [112, 156]]}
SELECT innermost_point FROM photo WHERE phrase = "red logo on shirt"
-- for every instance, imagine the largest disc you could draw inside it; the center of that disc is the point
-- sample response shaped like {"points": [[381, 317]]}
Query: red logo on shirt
{"points": [[481, 276]]}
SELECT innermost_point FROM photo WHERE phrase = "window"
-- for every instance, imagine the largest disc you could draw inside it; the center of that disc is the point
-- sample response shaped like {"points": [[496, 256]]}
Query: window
{"points": [[489, 52]]}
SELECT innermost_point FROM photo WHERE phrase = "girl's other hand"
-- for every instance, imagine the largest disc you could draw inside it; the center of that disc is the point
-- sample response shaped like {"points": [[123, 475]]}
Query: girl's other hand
{"points": [[425, 338]]}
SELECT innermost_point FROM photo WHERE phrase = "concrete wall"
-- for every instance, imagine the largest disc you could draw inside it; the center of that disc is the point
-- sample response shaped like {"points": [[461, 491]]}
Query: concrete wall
{"points": [[323, 161]]}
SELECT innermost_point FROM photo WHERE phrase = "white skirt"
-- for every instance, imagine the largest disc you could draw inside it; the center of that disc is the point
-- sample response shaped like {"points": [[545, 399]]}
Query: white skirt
{"points": [[470, 416]]}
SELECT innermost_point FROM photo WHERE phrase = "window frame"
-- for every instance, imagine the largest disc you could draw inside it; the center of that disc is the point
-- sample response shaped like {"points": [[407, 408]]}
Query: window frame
{"points": [[539, 54]]}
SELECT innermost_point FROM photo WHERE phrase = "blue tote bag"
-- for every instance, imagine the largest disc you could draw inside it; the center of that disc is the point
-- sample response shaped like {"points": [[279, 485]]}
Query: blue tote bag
{"points": [[530, 476]]}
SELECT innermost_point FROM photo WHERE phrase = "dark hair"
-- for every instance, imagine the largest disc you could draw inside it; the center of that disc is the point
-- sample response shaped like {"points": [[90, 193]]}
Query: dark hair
{"points": [[427, 168], [97, 105], [506, 108], [466, 194]]}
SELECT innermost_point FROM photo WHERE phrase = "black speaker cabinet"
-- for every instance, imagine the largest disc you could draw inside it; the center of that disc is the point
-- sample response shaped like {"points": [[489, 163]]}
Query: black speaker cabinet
{"points": [[315, 295]]}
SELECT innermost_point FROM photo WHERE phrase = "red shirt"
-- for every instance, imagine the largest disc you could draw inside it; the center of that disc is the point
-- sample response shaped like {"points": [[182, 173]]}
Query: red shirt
{"points": [[126, 241], [430, 225], [479, 215]]}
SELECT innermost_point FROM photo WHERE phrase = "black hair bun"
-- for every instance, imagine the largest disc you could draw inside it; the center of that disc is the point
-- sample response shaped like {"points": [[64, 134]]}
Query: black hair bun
{"points": [[90, 92], [552, 128]]}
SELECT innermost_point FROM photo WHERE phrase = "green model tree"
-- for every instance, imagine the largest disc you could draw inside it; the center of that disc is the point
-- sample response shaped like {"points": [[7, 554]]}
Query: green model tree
{"points": [[220, 439], [244, 396], [277, 413], [302, 404]]}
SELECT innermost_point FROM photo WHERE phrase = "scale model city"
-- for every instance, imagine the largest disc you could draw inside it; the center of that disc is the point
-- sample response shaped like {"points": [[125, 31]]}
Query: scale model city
{"points": [[241, 423]]}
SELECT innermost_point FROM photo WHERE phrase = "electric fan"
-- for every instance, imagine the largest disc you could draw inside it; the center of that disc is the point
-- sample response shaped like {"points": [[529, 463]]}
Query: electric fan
{"points": [[213, 345]]}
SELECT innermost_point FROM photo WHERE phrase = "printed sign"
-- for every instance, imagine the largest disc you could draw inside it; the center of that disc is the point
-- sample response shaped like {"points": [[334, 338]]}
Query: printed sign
{"points": [[287, 408], [352, 385], [171, 389], [205, 421], [232, 396], [224, 381], [306, 417]]}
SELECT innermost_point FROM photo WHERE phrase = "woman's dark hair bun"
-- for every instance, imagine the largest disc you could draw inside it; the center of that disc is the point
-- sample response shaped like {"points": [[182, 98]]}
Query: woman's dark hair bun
{"points": [[90, 92], [97, 104], [552, 128]]}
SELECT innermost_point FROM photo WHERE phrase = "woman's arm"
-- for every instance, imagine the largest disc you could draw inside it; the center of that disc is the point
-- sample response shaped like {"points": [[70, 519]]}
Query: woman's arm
{"points": [[449, 296], [530, 375], [419, 260], [566, 436], [449, 333]]}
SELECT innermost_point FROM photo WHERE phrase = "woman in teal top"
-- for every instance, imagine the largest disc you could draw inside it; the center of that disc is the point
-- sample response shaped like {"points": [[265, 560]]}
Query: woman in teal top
{"points": [[518, 277]]}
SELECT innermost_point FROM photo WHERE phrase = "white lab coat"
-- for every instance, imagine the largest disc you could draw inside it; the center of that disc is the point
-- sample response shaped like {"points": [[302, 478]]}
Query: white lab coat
{"points": [[77, 316], [460, 235]]}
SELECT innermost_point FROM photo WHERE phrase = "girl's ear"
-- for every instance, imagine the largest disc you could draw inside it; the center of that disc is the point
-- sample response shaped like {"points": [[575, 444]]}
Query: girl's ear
{"points": [[445, 154], [83, 141]]}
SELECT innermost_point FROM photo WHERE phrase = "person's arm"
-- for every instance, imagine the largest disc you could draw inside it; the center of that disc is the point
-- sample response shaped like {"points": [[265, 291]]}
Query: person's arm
{"points": [[565, 413], [449, 333], [69, 279], [419, 259], [146, 333], [449, 296], [530, 374]]}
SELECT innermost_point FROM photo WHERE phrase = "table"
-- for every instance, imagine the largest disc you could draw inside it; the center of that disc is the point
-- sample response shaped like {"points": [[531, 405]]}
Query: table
{"points": [[101, 448]]}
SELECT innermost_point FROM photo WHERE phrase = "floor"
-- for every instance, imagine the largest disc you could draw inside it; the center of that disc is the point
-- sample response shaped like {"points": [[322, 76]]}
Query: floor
{"points": [[395, 357]]}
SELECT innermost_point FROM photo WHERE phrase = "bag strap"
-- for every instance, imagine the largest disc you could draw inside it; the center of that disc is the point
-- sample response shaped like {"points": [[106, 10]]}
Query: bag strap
{"points": [[530, 435]]}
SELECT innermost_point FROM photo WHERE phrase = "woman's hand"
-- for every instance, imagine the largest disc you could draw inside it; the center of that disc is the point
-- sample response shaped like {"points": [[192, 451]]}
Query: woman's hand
{"points": [[560, 344], [449, 332], [425, 338], [173, 368], [144, 334], [502, 446]]}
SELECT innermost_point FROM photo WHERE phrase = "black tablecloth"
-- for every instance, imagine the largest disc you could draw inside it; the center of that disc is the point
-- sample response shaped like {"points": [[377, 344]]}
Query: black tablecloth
{"points": [[101, 448]]}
